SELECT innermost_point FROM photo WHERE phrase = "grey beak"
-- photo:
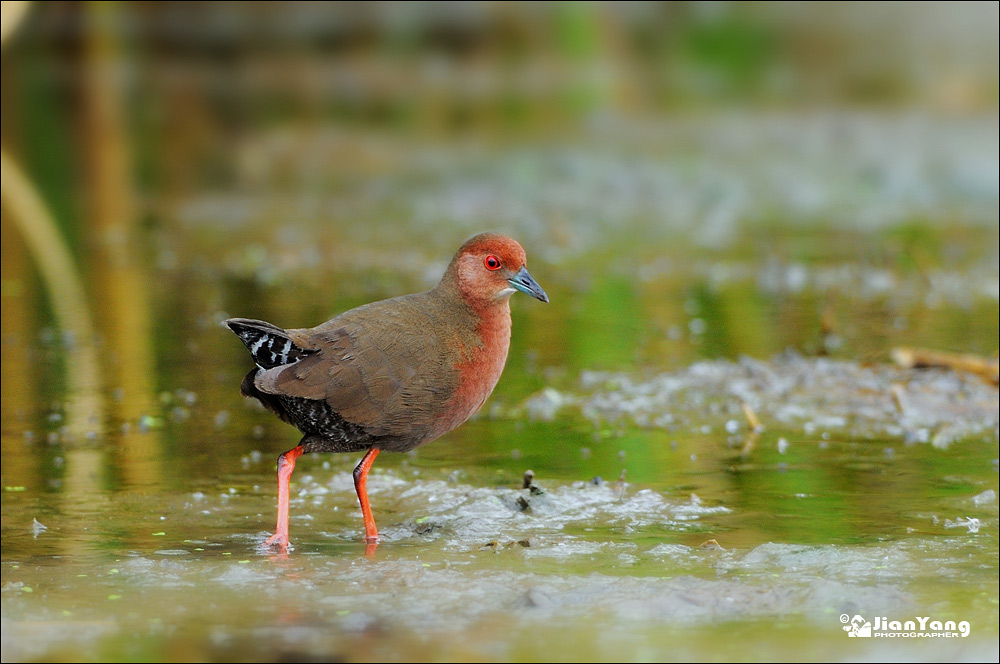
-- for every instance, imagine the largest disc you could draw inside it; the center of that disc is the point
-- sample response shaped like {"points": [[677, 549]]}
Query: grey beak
{"points": [[525, 283]]}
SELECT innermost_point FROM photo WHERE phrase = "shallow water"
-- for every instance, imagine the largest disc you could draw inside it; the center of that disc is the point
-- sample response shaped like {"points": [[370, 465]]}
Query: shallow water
{"points": [[660, 527], [472, 566]]}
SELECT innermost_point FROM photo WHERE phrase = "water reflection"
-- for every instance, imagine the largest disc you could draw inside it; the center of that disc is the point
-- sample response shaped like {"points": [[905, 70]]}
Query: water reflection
{"points": [[111, 356], [84, 407], [118, 268]]}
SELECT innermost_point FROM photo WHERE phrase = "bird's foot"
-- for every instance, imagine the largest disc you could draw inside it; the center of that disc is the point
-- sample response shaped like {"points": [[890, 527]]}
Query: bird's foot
{"points": [[371, 543], [277, 541]]}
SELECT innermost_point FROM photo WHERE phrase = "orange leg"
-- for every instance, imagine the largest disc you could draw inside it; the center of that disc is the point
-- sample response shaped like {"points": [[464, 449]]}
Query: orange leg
{"points": [[286, 464], [361, 486]]}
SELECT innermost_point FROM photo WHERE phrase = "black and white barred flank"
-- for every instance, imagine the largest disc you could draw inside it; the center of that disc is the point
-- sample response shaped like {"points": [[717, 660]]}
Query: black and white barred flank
{"points": [[269, 345]]}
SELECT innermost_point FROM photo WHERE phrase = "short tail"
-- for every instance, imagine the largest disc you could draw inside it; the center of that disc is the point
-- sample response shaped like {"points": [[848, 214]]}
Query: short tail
{"points": [[269, 345]]}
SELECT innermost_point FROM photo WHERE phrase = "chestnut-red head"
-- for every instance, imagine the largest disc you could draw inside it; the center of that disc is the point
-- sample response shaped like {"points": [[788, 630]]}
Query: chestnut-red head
{"points": [[489, 268]]}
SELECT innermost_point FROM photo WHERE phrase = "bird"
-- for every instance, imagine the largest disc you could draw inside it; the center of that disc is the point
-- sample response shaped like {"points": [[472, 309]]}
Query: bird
{"points": [[391, 375]]}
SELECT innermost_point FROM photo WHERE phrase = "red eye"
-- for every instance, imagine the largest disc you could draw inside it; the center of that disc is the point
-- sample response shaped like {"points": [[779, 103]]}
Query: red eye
{"points": [[492, 262]]}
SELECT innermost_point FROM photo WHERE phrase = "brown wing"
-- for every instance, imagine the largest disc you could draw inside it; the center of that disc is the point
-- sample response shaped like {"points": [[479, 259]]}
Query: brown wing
{"points": [[388, 366]]}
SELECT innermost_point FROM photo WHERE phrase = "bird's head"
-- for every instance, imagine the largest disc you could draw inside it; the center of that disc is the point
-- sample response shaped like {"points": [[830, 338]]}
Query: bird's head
{"points": [[489, 268]]}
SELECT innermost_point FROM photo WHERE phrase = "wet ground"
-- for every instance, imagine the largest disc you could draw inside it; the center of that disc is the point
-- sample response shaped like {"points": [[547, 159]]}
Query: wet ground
{"points": [[696, 270]]}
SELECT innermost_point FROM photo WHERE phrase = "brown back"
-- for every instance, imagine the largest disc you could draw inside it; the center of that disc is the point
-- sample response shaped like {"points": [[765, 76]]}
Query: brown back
{"points": [[389, 366]]}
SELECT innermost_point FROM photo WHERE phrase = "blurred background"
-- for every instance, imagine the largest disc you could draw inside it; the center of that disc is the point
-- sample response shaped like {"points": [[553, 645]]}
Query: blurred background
{"points": [[692, 181]]}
